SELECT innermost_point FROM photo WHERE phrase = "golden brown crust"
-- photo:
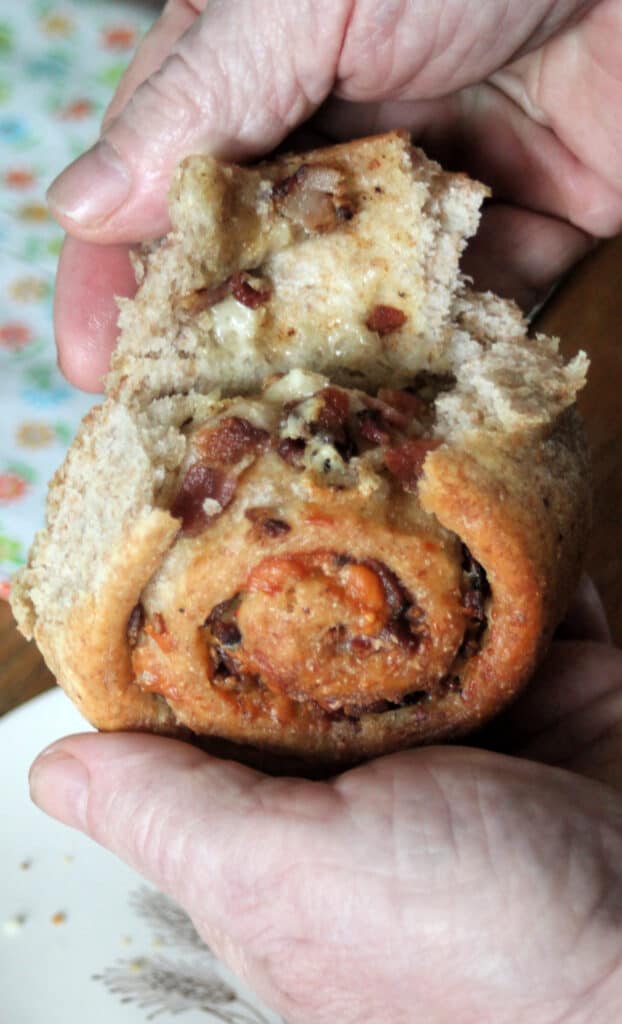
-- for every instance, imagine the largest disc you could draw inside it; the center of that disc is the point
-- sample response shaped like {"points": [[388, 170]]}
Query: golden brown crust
{"points": [[91, 658]]}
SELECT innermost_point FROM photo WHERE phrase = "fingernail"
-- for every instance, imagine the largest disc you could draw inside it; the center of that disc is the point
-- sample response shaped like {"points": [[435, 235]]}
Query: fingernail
{"points": [[59, 785], [92, 187]]}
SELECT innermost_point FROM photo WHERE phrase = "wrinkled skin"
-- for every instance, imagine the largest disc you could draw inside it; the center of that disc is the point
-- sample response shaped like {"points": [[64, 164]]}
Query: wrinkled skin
{"points": [[456, 883], [452, 884], [525, 95]]}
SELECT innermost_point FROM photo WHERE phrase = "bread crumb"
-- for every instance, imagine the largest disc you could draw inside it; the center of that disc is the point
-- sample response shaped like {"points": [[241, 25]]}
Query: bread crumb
{"points": [[59, 917], [25, 865]]}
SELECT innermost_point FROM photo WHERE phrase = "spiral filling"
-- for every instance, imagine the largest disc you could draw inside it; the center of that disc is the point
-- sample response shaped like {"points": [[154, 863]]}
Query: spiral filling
{"points": [[332, 595]]}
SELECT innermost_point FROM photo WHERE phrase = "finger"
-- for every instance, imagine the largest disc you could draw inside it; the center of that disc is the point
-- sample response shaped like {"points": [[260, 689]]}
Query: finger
{"points": [[245, 73], [586, 618], [236, 82], [577, 721], [176, 18], [520, 254], [218, 837], [300, 885], [572, 677], [89, 279], [155, 802], [571, 714]]}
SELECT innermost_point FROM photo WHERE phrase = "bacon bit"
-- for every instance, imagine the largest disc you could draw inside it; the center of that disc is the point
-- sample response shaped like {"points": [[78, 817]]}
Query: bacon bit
{"points": [[244, 292], [332, 421], [157, 630], [373, 427], [405, 402], [201, 482], [135, 624], [335, 409], [406, 461], [230, 440], [291, 450], [385, 319], [239, 285]]}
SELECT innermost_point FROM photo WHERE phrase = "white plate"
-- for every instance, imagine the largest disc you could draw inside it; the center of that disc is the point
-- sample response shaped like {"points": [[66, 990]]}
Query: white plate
{"points": [[82, 937]]}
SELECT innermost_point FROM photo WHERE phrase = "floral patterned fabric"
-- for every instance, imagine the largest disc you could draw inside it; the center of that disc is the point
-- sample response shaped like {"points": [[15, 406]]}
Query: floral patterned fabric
{"points": [[59, 64]]}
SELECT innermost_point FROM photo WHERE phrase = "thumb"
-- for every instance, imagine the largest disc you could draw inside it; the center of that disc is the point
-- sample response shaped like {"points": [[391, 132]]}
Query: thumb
{"points": [[149, 800], [235, 83], [217, 837]]}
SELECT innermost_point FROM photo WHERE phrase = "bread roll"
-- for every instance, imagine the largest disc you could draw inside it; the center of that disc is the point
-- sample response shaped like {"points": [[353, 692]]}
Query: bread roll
{"points": [[322, 545]]}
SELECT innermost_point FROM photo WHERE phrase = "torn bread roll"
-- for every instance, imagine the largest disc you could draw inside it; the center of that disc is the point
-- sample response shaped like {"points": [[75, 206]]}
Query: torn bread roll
{"points": [[343, 261], [309, 569]]}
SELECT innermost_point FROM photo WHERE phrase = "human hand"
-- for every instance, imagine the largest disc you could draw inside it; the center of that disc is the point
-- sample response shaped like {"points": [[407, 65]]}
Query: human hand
{"points": [[443, 884], [526, 96]]}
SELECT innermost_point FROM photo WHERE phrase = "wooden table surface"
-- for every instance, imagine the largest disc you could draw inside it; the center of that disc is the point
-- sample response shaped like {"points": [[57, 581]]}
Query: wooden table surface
{"points": [[586, 311]]}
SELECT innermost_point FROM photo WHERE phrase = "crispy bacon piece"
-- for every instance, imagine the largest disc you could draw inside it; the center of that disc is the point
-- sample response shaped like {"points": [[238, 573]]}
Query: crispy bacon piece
{"points": [[246, 293], [385, 319], [230, 440], [373, 426], [200, 483], [332, 423], [239, 285], [406, 461], [333, 416]]}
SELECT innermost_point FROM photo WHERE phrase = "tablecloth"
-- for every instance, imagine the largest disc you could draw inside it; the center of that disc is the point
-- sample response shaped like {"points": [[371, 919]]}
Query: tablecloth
{"points": [[59, 64]]}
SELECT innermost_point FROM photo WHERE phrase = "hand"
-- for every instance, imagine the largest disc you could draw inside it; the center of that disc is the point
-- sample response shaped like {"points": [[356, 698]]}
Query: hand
{"points": [[443, 884], [526, 96]]}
